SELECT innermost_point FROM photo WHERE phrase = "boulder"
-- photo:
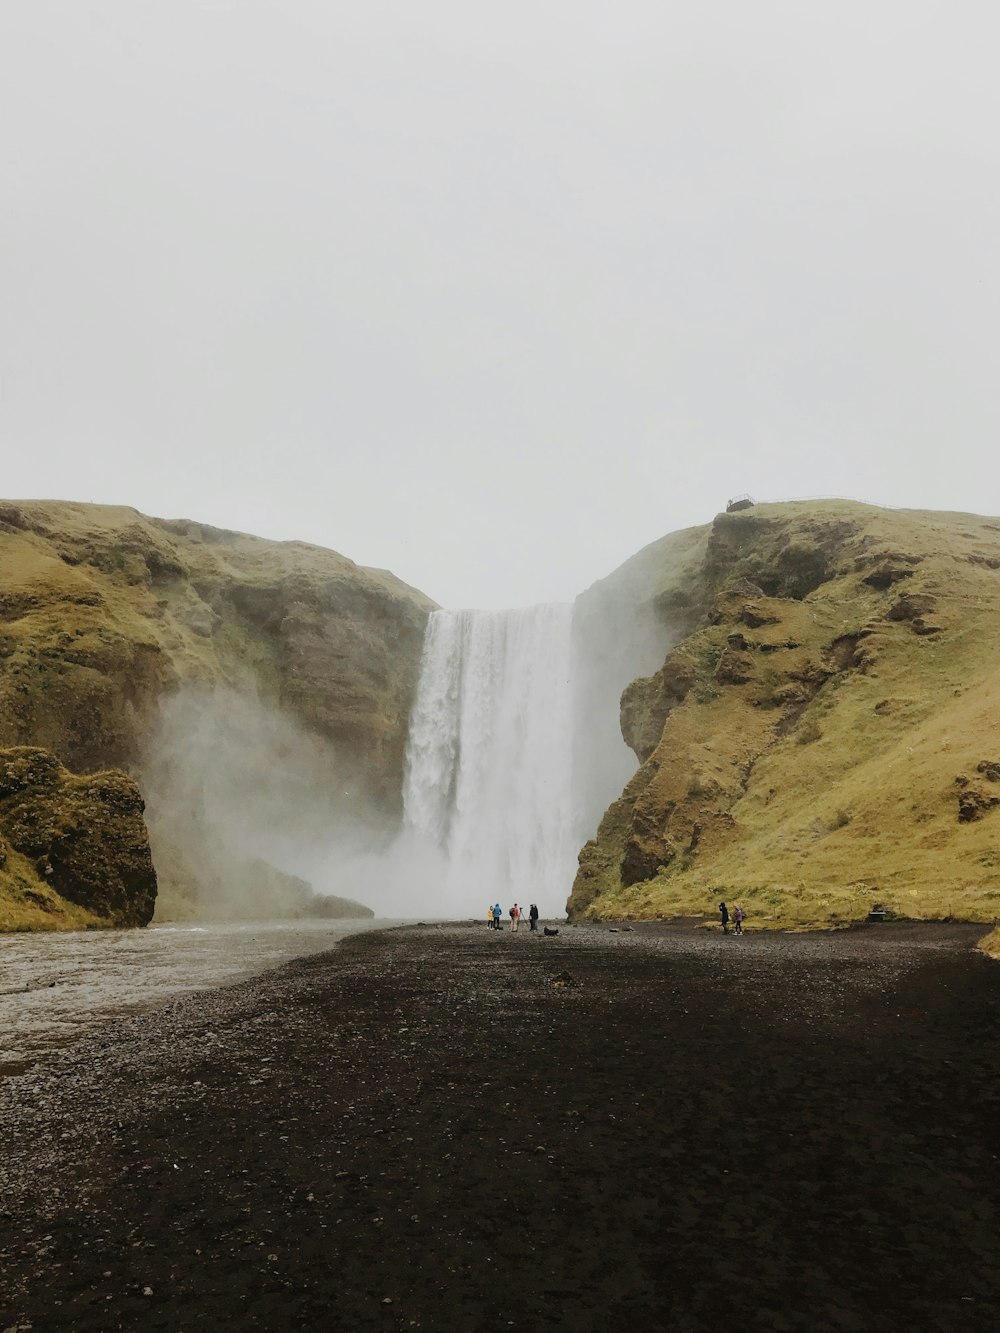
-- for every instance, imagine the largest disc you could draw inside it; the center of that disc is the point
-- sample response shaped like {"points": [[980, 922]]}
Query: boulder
{"points": [[973, 803], [82, 839]]}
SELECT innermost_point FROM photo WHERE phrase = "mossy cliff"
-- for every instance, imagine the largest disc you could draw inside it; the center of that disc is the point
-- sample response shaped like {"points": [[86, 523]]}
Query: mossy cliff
{"points": [[73, 850], [825, 733], [105, 612]]}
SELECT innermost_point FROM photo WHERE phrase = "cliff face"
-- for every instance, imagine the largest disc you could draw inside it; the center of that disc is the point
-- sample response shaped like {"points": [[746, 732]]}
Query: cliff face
{"points": [[105, 614], [103, 610], [825, 734]]}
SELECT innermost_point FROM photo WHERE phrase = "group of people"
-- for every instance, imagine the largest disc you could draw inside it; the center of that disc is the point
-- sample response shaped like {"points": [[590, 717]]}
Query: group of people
{"points": [[495, 913], [737, 918]]}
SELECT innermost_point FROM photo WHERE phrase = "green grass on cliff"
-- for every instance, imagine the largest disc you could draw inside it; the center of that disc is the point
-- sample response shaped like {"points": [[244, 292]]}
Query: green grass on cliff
{"points": [[26, 903], [830, 778]]}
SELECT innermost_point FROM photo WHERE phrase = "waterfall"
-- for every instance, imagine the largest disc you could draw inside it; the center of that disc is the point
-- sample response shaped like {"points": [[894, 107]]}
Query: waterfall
{"points": [[489, 760]]}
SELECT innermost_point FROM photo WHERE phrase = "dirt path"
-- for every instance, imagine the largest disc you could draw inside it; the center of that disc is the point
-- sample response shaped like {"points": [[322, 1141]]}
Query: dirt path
{"points": [[420, 1130]]}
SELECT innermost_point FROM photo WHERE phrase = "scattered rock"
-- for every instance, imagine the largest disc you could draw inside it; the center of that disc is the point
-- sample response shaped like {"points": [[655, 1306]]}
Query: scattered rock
{"points": [[646, 703], [973, 804]]}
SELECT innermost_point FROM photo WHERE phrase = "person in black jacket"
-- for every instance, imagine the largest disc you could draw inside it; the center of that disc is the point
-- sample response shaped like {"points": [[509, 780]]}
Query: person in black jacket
{"points": [[724, 913], [533, 917]]}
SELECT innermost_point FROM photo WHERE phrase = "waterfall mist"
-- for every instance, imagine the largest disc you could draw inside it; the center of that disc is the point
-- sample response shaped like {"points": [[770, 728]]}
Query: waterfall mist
{"points": [[242, 801], [514, 753]]}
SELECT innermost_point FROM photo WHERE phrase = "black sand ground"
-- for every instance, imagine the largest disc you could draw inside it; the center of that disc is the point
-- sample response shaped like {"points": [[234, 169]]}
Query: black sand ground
{"points": [[420, 1130]]}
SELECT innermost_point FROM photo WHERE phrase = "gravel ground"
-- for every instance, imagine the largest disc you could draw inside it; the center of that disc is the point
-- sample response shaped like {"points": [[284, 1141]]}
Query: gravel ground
{"points": [[442, 1128]]}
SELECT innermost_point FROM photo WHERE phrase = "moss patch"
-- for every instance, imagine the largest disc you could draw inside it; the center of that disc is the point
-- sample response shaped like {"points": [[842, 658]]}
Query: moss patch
{"points": [[73, 850]]}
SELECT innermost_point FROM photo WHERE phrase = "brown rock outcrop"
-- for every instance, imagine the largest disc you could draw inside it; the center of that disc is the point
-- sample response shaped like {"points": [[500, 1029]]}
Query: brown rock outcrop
{"points": [[647, 701], [973, 803], [81, 840]]}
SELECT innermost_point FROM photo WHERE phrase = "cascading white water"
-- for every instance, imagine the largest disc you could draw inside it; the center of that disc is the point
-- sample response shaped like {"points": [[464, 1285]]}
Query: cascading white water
{"points": [[489, 761]]}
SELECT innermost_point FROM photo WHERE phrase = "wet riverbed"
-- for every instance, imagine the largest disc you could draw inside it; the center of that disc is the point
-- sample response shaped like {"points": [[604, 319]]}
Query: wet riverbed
{"points": [[55, 986]]}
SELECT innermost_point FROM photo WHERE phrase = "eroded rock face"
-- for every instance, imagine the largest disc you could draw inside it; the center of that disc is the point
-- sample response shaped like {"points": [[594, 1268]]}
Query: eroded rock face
{"points": [[646, 703], [82, 839]]}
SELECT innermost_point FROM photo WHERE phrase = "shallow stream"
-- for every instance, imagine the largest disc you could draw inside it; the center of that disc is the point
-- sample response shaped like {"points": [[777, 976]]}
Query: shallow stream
{"points": [[54, 986]]}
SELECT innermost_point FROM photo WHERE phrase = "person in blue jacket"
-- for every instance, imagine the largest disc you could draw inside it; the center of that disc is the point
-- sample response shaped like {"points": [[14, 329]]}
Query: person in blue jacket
{"points": [[496, 917]]}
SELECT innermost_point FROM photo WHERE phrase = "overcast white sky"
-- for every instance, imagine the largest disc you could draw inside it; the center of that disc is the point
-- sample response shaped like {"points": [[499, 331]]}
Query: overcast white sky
{"points": [[493, 295]]}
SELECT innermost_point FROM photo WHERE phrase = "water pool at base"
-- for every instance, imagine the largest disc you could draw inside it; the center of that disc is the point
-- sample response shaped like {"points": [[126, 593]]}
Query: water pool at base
{"points": [[54, 986]]}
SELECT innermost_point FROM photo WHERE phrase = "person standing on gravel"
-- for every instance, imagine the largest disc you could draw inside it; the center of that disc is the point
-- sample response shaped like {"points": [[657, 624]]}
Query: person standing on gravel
{"points": [[738, 919], [515, 916], [489, 918], [724, 913], [533, 917], [496, 916]]}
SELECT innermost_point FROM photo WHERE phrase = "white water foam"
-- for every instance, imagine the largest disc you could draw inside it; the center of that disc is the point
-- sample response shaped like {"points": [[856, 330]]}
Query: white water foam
{"points": [[489, 763]]}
